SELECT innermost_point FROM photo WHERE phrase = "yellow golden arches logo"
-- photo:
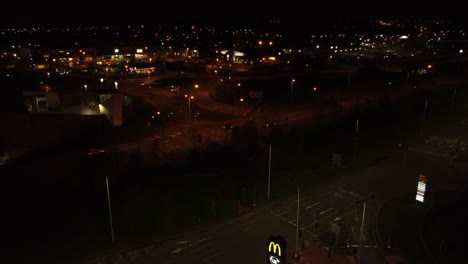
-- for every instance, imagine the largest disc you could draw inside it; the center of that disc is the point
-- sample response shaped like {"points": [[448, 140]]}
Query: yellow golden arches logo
{"points": [[275, 246]]}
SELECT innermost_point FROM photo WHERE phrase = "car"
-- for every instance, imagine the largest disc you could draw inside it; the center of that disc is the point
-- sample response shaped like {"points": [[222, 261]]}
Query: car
{"points": [[95, 151], [175, 88], [227, 127], [269, 124]]}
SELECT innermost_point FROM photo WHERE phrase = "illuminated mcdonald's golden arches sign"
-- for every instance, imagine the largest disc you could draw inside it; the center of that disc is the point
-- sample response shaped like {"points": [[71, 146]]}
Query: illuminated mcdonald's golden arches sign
{"points": [[275, 246]]}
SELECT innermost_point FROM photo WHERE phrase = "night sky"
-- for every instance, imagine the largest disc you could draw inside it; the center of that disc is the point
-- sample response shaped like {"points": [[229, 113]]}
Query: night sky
{"points": [[235, 12]]}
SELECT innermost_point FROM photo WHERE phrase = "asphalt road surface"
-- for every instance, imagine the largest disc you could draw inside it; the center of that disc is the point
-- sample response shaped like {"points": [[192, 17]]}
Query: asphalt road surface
{"points": [[244, 239]]}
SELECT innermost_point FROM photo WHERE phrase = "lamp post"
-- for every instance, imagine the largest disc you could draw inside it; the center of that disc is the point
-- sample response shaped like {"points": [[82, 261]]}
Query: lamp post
{"points": [[116, 84], [269, 171], [189, 98], [235, 97], [86, 88], [102, 80], [241, 100], [423, 119], [453, 98], [355, 141], [110, 211], [362, 224], [291, 93], [297, 223]]}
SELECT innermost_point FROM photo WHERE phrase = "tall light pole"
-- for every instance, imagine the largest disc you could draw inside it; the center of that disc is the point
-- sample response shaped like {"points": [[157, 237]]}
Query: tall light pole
{"points": [[102, 80], [349, 79], [189, 98], [110, 211], [254, 199], [86, 88], [362, 225], [269, 171], [453, 98], [292, 90], [355, 140], [424, 118], [297, 223]]}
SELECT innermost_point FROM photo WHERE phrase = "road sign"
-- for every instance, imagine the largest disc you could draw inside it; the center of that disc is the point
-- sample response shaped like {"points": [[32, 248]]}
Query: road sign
{"points": [[336, 159], [421, 189]]}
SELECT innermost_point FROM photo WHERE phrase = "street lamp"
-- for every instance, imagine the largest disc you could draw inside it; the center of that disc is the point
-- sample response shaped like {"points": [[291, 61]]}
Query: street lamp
{"points": [[189, 98], [292, 87], [297, 254], [269, 172], [116, 84], [110, 211], [86, 88], [48, 76], [102, 80], [362, 224], [242, 103]]}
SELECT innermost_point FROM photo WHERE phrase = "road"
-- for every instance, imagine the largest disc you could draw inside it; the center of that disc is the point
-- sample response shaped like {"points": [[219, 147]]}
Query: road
{"points": [[221, 244], [244, 239]]}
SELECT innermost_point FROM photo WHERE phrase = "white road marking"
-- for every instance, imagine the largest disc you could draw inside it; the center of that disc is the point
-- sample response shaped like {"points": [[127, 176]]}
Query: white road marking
{"points": [[328, 210], [202, 247], [310, 206], [348, 213], [332, 214], [429, 152], [213, 256]]}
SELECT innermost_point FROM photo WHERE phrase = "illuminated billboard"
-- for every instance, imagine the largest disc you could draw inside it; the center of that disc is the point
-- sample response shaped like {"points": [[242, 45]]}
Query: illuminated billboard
{"points": [[421, 189], [276, 250]]}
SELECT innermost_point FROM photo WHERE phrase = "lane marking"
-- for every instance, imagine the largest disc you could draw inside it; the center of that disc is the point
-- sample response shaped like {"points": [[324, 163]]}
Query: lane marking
{"points": [[332, 214], [310, 206], [307, 226], [213, 256], [328, 210], [202, 247], [429, 152]]}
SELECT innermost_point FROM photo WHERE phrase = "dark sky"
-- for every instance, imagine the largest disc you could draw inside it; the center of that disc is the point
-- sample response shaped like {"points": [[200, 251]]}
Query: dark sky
{"points": [[90, 12]]}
